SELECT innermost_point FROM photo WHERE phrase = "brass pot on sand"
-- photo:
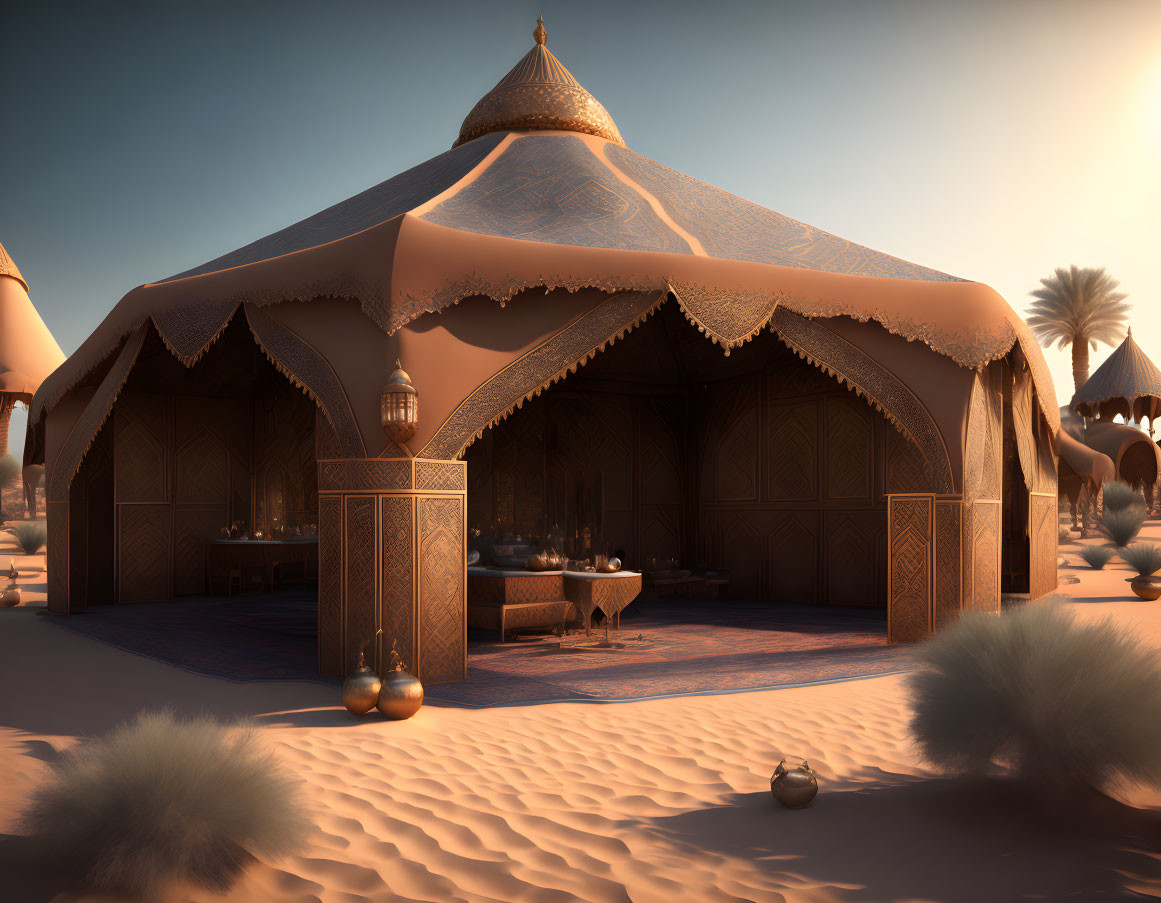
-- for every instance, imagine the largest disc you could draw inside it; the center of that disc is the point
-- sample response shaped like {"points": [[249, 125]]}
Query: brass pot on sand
{"points": [[401, 694], [361, 688], [793, 783]]}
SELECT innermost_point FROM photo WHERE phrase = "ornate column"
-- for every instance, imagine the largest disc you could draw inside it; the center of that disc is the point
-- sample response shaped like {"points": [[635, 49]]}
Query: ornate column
{"points": [[392, 557]]}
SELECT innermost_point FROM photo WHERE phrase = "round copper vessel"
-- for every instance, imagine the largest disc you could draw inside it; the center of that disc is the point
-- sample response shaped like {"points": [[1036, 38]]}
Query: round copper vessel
{"points": [[793, 783], [361, 689], [400, 696]]}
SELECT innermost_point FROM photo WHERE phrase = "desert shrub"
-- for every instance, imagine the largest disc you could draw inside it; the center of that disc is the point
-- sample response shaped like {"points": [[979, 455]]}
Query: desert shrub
{"points": [[30, 537], [10, 468], [1142, 557], [159, 800], [1096, 556], [1119, 495], [1061, 703], [1121, 525]]}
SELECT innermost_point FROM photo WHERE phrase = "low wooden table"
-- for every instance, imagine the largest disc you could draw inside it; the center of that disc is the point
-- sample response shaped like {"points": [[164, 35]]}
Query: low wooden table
{"points": [[507, 600], [264, 554], [611, 593]]}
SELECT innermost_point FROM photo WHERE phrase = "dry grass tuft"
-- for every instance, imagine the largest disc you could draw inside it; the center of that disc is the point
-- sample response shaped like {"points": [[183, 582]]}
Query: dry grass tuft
{"points": [[1121, 525], [1143, 557], [1096, 557], [1063, 704], [1119, 495], [30, 537], [159, 800], [10, 468]]}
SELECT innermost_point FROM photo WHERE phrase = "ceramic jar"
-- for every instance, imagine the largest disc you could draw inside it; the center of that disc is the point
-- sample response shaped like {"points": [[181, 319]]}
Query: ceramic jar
{"points": [[1148, 588]]}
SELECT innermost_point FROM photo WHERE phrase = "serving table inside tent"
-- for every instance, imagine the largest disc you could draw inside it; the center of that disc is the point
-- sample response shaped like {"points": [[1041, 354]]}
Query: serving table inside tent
{"points": [[611, 593], [509, 599], [269, 561]]}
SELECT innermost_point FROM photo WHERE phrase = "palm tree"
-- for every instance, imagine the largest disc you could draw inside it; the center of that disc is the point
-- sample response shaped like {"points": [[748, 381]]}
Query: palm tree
{"points": [[1080, 306]]}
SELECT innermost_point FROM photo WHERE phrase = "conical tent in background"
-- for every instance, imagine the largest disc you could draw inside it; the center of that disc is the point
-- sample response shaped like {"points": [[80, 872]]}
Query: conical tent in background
{"points": [[1128, 383], [28, 352]]}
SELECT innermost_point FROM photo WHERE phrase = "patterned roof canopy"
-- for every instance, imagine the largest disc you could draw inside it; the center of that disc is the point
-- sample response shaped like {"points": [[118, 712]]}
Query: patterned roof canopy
{"points": [[1128, 383], [555, 204]]}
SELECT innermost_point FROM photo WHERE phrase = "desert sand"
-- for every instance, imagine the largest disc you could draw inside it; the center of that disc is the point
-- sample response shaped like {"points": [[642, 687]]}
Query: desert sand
{"points": [[655, 800]]}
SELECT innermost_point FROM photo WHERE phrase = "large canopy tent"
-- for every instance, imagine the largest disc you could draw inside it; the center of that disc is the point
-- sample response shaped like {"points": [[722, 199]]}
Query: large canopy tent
{"points": [[28, 352], [497, 269]]}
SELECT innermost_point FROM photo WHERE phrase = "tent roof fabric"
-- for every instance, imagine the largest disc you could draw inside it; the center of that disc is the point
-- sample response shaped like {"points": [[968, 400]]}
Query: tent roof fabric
{"points": [[28, 352], [9, 268], [1127, 383], [543, 208]]}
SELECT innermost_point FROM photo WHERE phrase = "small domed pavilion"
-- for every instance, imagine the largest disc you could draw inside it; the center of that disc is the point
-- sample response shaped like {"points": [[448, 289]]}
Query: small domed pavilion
{"points": [[603, 349]]}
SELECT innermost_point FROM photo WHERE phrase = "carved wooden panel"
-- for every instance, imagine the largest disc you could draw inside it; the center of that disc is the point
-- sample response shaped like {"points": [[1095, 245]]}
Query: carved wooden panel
{"points": [[192, 529], [359, 576], [330, 586], [397, 570], [442, 590], [440, 474], [948, 560], [140, 425], [850, 448], [793, 552], [144, 557], [909, 564], [1043, 539], [737, 458], [793, 457], [985, 540], [850, 548]]}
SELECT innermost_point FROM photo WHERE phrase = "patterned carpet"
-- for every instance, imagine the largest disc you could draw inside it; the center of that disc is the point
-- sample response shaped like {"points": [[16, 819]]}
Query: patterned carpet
{"points": [[696, 647], [693, 648]]}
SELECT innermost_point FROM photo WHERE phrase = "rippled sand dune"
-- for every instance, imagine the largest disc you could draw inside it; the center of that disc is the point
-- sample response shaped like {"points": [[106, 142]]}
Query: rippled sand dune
{"points": [[659, 800]]}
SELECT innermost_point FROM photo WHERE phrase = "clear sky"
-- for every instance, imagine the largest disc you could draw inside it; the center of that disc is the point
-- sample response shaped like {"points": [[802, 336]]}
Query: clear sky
{"points": [[992, 140]]}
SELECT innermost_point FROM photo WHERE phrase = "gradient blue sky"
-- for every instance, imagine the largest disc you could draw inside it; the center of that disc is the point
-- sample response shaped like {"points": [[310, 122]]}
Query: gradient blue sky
{"points": [[992, 140]]}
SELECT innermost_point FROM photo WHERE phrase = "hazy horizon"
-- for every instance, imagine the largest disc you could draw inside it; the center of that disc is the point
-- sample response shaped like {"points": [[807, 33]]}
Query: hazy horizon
{"points": [[994, 141]]}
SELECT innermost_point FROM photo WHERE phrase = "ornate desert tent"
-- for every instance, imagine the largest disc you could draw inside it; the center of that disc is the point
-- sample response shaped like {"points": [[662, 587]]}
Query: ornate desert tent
{"points": [[28, 352], [1127, 383], [864, 432]]}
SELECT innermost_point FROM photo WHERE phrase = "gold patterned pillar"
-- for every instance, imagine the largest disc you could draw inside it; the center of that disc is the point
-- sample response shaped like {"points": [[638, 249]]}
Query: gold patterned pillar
{"points": [[911, 542], [392, 552]]}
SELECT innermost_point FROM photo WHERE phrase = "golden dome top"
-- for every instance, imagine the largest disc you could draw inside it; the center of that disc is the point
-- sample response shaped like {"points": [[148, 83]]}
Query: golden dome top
{"points": [[539, 93], [400, 381]]}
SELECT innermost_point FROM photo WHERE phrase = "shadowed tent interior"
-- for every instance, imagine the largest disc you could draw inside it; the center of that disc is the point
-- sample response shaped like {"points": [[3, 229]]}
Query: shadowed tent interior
{"points": [[680, 371]]}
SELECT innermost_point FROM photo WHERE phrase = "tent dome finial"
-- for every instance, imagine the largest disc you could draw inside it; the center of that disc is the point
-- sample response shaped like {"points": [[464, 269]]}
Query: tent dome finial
{"points": [[539, 93]]}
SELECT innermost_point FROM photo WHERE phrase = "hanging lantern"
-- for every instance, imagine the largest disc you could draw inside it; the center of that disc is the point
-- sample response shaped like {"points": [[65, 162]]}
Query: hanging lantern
{"points": [[399, 406]]}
